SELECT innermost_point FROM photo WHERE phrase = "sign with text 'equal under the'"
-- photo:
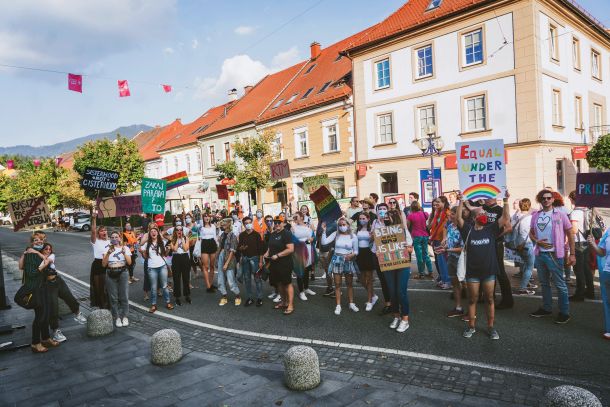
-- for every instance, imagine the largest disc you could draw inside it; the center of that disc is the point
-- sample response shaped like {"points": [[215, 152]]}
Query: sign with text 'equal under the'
{"points": [[481, 168], [153, 195]]}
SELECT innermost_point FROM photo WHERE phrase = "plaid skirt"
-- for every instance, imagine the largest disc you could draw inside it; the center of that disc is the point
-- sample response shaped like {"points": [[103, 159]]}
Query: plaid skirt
{"points": [[338, 265]]}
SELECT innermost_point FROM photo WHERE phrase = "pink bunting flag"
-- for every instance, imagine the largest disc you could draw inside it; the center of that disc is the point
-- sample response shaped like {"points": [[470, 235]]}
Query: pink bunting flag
{"points": [[75, 82], [124, 88], [167, 88]]}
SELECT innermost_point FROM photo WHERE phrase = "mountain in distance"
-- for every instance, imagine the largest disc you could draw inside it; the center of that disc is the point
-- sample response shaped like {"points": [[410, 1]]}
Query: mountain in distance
{"points": [[71, 145]]}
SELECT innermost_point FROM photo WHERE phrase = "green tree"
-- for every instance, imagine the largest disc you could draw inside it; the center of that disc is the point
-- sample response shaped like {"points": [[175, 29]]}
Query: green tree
{"points": [[120, 155], [599, 155]]}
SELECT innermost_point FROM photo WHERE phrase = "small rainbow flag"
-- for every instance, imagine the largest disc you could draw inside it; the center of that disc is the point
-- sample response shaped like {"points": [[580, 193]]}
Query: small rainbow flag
{"points": [[326, 205], [481, 191], [176, 180]]}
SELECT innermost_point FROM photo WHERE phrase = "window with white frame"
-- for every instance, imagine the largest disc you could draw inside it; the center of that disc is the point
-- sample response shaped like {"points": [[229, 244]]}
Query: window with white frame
{"points": [[212, 156], [576, 53], [597, 115], [578, 123], [175, 164], [596, 62], [427, 116], [476, 113], [385, 132], [382, 69], [473, 47], [553, 42], [424, 62], [188, 163], [301, 143], [331, 138], [556, 107], [227, 151], [199, 168]]}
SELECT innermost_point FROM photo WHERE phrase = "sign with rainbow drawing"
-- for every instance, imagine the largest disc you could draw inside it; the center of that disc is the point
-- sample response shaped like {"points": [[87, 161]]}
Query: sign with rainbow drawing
{"points": [[481, 168]]}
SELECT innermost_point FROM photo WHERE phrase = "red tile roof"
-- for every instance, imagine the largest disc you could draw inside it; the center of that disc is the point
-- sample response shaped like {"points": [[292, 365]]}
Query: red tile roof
{"points": [[149, 150], [144, 137]]}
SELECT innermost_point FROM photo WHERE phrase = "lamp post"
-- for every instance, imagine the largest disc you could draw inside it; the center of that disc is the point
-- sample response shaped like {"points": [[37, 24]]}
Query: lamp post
{"points": [[430, 144]]}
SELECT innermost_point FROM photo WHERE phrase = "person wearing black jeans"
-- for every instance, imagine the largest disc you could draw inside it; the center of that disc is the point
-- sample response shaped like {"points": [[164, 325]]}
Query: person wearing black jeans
{"points": [[181, 265]]}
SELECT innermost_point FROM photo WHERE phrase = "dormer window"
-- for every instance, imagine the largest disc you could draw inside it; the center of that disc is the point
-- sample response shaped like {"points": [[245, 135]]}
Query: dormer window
{"points": [[279, 102], [434, 4], [292, 98], [307, 93], [310, 69], [324, 87], [338, 57]]}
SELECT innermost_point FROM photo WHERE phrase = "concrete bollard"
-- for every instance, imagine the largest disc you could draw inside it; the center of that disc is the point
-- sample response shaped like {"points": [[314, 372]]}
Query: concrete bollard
{"points": [[100, 323], [570, 396], [165, 347], [301, 368]]}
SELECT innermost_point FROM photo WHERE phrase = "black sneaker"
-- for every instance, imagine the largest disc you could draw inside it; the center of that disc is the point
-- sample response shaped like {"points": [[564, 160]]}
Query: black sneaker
{"points": [[541, 312], [188, 300], [562, 318], [248, 302], [178, 302], [259, 303], [577, 298], [329, 291], [386, 310]]}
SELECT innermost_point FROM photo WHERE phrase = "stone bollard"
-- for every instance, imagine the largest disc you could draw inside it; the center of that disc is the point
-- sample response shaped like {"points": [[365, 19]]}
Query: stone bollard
{"points": [[99, 323], [570, 396], [301, 368], [165, 347]]}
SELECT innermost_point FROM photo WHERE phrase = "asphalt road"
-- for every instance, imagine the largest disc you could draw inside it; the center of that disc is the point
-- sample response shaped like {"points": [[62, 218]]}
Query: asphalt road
{"points": [[572, 351]]}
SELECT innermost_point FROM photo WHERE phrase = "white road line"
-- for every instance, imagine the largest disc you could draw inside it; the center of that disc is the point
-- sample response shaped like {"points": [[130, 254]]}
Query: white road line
{"points": [[425, 356]]}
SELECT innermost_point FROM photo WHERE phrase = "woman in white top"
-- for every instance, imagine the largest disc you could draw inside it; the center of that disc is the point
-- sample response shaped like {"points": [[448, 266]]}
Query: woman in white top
{"points": [[343, 260], [181, 265], [365, 259], [154, 251], [209, 247], [305, 234], [97, 279], [115, 261]]}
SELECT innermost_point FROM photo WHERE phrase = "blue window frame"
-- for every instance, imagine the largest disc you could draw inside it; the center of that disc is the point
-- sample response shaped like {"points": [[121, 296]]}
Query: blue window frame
{"points": [[383, 73], [424, 61], [473, 47]]}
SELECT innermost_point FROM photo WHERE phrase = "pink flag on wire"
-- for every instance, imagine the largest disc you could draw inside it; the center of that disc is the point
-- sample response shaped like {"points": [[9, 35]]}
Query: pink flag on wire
{"points": [[167, 88], [124, 88], [75, 82]]}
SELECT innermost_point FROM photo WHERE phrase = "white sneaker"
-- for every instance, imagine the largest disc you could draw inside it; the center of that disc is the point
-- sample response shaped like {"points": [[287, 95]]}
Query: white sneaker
{"points": [[277, 299], [58, 336], [125, 321], [271, 296], [403, 326], [338, 310], [118, 323], [309, 292], [80, 318], [374, 300], [368, 306], [302, 296], [353, 307], [323, 276], [394, 323]]}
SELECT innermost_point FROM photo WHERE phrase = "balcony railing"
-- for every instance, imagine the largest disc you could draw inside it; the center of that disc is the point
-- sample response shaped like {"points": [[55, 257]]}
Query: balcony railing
{"points": [[595, 132]]}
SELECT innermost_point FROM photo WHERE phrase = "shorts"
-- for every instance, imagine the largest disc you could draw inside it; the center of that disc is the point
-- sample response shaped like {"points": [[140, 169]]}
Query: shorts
{"points": [[452, 263], [364, 259], [485, 279], [208, 246]]}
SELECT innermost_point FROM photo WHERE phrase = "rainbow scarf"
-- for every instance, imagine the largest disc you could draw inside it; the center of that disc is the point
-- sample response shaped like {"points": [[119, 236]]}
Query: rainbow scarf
{"points": [[301, 255], [176, 180], [326, 205]]}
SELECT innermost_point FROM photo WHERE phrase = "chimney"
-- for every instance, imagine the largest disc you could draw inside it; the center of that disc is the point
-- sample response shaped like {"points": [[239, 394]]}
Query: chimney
{"points": [[232, 94], [247, 89], [315, 50]]}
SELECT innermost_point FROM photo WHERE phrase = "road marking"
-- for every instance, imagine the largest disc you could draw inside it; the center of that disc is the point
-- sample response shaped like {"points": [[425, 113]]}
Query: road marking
{"points": [[417, 355]]}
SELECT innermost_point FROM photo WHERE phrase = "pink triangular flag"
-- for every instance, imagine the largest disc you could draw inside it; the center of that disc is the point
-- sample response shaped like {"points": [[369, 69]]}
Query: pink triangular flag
{"points": [[124, 88], [167, 88], [75, 82]]}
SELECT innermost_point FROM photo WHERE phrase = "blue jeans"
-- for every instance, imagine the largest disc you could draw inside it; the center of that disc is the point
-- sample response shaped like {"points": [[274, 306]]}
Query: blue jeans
{"points": [[398, 282], [527, 265], [249, 267], [548, 265], [420, 247], [441, 263], [226, 276], [604, 282], [159, 273]]}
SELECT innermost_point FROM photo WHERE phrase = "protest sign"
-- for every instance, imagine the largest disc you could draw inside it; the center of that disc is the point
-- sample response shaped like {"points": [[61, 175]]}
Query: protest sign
{"points": [[311, 184], [98, 179], [327, 207], [279, 170], [222, 191], [153, 195], [311, 206], [119, 206], [481, 168], [272, 208], [176, 180], [392, 251], [29, 213], [593, 190]]}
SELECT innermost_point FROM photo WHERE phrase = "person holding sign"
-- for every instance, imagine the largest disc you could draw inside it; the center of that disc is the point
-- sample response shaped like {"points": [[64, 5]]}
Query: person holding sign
{"points": [[343, 261], [602, 249], [481, 261], [116, 260], [154, 252], [100, 244]]}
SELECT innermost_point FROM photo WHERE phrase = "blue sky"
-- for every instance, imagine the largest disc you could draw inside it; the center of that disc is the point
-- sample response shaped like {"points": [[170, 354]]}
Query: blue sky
{"points": [[201, 47]]}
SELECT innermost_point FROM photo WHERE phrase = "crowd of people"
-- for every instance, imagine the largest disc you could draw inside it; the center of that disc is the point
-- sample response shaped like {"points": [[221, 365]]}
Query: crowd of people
{"points": [[466, 241]]}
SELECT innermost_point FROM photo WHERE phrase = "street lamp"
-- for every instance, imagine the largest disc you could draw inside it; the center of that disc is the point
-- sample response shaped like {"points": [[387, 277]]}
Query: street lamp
{"points": [[430, 144]]}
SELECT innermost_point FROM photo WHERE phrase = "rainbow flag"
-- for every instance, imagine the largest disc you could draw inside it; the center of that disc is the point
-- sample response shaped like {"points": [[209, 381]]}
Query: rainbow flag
{"points": [[176, 180], [326, 205]]}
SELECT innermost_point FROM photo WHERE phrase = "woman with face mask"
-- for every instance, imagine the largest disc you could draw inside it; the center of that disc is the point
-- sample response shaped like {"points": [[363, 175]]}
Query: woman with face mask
{"points": [[343, 262], [279, 254], [209, 247], [116, 260], [275, 295], [227, 264], [181, 265], [100, 244], [154, 251], [130, 240], [304, 255], [364, 260], [481, 262], [437, 224]]}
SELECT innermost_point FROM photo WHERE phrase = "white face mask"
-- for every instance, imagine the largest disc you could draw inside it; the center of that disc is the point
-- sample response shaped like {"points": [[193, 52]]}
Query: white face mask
{"points": [[249, 226], [178, 223], [259, 214], [188, 220], [343, 228]]}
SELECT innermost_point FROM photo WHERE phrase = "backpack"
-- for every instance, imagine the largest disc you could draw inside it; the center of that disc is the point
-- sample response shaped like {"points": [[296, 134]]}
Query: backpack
{"points": [[512, 240]]}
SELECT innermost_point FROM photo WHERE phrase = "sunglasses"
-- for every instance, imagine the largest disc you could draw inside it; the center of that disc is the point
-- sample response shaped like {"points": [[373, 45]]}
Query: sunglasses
{"points": [[547, 198], [392, 202], [277, 222]]}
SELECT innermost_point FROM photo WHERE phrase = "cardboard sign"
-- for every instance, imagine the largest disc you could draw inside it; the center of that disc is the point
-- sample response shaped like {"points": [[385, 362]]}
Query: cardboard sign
{"points": [[153, 195], [311, 184], [99, 180], [119, 206], [327, 207], [391, 245], [29, 213], [222, 191], [481, 168], [279, 170], [593, 190]]}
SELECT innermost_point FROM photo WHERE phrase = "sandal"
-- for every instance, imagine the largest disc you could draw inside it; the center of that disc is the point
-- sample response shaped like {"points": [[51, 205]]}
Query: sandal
{"points": [[50, 343], [289, 311], [170, 306], [153, 309], [39, 350], [280, 306]]}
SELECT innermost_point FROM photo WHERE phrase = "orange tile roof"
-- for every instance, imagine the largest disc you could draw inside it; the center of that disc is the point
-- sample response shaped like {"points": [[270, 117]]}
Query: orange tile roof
{"points": [[410, 15], [149, 150], [144, 137]]}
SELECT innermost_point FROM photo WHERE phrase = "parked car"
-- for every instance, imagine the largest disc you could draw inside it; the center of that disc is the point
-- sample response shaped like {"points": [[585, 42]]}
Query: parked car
{"points": [[82, 223], [6, 220]]}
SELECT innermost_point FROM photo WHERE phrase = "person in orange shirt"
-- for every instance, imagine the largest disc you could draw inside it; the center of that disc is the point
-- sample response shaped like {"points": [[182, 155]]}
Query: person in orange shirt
{"points": [[259, 223], [130, 240], [437, 223]]}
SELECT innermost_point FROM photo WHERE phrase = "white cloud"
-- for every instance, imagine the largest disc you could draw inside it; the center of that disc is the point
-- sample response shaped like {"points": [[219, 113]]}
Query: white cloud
{"points": [[195, 43], [286, 58], [168, 50], [244, 30]]}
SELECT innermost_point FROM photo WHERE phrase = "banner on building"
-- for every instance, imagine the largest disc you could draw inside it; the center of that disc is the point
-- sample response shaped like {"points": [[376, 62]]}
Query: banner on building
{"points": [[279, 170], [176, 180], [311, 184], [392, 251], [99, 179], [593, 190], [222, 191], [29, 213], [481, 168], [326, 205], [114, 206], [153, 195]]}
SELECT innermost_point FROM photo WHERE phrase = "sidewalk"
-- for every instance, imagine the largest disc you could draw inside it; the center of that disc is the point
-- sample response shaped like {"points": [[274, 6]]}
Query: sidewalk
{"points": [[226, 369]]}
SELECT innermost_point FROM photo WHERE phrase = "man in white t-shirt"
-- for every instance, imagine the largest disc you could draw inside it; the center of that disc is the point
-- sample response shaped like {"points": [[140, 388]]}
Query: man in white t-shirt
{"points": [[584, 276]]}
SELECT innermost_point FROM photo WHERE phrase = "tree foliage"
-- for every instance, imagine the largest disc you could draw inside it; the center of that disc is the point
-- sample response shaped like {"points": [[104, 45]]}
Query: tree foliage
{"points": [[120, 155], [599, 155]]}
